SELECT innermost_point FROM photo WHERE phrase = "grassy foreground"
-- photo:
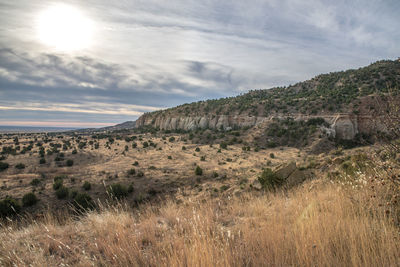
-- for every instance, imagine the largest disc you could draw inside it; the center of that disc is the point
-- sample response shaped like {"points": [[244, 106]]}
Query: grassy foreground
{"points": [[320, 223]]}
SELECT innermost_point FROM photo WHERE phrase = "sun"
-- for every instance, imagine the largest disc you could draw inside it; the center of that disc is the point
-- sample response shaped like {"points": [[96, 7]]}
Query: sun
{"points": [[64, 28]]}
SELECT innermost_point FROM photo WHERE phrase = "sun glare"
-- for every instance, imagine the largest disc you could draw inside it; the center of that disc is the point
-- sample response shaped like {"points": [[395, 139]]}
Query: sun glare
{"points": [[64, 28]]}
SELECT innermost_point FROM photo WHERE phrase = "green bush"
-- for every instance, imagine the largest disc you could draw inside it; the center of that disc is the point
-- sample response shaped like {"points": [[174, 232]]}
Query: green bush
{"points": [[35, 182], [73, 193], [42, 161], [58, 182], [83, 201], [20, 166], [130, 188], [70, 162], [198, 170], [169, 157], [62, 192], [136, 163], [117, 191], [9, 206], [223, 145], [269, 179], [29, 199], [197, 149], [3, 166], [87, 186], [272, 155], [171, 139]]}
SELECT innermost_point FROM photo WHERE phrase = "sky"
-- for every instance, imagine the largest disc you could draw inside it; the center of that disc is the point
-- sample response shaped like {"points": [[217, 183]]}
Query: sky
{"points": [[95, 63]]}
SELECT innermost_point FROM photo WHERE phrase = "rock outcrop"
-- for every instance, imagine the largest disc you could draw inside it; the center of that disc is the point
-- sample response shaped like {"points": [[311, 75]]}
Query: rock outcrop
{"points": [[289, 174], [200, 122], [342, 126], [292, 175]]}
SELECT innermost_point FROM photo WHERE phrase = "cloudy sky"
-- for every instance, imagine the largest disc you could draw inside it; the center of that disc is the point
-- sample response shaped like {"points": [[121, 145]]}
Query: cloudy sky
{"points": [[100, 62]]}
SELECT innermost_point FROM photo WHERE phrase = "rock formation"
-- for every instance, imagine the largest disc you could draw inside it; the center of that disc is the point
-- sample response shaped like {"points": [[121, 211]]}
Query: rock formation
{"points": [[343, 126]]}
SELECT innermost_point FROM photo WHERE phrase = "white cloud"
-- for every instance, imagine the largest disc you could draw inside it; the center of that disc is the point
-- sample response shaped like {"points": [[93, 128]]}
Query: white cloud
{"points": [[182, 50]]}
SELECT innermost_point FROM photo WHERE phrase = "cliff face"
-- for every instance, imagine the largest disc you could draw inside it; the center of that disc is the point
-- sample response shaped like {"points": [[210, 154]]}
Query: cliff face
{"points": [[340, 98], [343, 126], [200, 122]]}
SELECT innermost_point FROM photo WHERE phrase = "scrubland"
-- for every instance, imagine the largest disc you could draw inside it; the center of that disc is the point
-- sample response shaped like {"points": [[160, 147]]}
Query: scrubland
{"points": [[350, 221], [345, 214]]}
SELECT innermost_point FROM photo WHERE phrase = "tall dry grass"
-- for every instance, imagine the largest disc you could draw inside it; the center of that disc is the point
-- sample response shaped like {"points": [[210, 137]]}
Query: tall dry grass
{"points": [[317, 224]]}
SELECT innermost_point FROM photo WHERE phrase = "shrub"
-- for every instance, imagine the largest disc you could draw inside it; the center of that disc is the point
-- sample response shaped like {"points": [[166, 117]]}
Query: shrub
{"points": [[35, 182], [136, 163], [130, 188], [197, 149], [42, 161], [3, 166], [83, 201], [70, 162], [9, 206], [145, 144], [29, 199], [59, 157], [140, 174], [73, 193], [171, 139], [269, 179], [223, 145], [20, 166], [74, 152], [272, 155], [183, 148], [169, 157], [87, 186], [203, 158], [58, 183], [198, 171], [117, 191], [132, 171], [62, 192], [224, 188]]}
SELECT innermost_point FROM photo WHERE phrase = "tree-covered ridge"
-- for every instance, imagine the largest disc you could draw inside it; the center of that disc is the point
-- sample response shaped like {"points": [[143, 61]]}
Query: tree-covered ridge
{"points": [[325, 93]]}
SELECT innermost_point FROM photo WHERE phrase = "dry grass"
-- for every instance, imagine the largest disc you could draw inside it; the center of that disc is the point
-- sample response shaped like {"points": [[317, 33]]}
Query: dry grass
{"points": [[317, 224]]}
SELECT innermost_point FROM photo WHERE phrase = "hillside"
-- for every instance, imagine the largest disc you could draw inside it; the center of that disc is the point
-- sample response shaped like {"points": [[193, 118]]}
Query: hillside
{"points": [[344, 99]]}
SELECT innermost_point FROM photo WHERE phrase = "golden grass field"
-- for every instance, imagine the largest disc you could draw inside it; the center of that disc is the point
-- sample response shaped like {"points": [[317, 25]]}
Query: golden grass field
{"points": [[349, 219]]}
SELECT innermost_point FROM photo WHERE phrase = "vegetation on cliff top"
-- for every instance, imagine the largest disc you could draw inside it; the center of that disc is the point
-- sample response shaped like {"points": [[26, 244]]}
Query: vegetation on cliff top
{"points": [[326, 93]]}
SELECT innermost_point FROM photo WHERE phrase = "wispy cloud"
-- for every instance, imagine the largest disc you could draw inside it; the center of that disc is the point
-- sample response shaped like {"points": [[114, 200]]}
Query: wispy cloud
{"points": [[152, 54]]}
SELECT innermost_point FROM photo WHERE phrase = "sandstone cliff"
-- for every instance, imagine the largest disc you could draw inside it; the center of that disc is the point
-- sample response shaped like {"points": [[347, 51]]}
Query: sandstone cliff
{"points": [[343, 126]]}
